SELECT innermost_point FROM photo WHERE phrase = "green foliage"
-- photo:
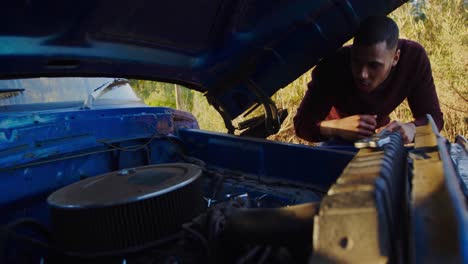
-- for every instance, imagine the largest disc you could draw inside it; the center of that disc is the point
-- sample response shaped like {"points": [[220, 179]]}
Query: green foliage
{"points": [[208, 118], [163, 94], [440, 26], [155, 93]]}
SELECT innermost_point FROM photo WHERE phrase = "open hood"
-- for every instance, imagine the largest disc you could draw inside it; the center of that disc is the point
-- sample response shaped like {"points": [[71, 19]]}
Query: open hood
{"points": [[234, 50]]}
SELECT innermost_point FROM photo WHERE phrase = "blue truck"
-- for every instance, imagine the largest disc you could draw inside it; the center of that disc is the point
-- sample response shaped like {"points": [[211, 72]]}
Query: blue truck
{"points": [[91, 174]]}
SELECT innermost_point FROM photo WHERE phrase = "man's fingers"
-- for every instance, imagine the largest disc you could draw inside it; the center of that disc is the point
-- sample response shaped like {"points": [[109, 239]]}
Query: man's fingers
{"points": [[369, 119], [393, 126], [386, 126], [378, 130], [404, 135], [366, 126]]}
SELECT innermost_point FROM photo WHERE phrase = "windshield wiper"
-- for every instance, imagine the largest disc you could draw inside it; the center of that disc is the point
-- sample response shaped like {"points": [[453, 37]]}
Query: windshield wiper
{"points": [[99, 91], [10, 92]]}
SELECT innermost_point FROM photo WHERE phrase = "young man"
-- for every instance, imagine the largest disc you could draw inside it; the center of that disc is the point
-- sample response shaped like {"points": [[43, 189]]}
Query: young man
{"points": [[353, 91]]}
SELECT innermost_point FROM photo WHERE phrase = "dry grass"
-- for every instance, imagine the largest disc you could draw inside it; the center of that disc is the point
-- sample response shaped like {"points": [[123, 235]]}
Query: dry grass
{"points": [[444, 35]]}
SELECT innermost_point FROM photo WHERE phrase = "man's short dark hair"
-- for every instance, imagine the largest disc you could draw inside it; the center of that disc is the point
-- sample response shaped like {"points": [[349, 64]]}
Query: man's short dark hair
{"points": [[375, 29]]}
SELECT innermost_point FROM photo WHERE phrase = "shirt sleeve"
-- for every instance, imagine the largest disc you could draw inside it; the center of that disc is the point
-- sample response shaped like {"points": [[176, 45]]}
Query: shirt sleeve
{"points": [[313, 109], [423, 98]]}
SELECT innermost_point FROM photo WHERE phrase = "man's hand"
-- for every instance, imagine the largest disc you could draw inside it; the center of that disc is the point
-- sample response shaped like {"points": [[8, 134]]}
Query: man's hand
{"points": [[407, 130], [349, 128]]}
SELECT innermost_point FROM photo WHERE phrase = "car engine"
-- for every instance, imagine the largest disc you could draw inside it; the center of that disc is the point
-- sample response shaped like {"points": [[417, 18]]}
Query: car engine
{"points": [[172, 213]]}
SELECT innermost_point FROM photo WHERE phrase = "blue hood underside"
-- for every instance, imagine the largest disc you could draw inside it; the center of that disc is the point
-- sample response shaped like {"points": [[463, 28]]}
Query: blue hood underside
{"points": [[229, 49]]}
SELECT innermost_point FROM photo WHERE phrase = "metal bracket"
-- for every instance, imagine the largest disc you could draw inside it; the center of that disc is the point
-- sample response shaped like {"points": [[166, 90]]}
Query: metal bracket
{"points": [[375, 141], [272, 117]]}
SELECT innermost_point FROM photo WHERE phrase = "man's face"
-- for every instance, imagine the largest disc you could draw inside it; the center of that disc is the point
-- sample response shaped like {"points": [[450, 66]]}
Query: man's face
{"points": [[371, 65]]}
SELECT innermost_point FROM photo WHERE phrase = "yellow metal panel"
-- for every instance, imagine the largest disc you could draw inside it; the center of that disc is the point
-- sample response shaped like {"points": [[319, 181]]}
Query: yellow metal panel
{"points": [[348, 228], [350, 239], [431, 211]]}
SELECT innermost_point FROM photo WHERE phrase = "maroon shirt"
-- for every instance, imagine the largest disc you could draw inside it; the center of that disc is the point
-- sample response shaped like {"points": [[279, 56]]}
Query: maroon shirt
{"points": [[332, 93]]}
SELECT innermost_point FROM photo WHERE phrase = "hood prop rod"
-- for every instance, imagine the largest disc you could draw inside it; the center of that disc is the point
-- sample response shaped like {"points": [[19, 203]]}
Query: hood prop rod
{"points": [[272, 118]]}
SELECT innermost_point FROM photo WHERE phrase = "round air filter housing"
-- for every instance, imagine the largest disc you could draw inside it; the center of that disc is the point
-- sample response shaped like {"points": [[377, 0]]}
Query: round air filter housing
{"points": [[125, 209]]}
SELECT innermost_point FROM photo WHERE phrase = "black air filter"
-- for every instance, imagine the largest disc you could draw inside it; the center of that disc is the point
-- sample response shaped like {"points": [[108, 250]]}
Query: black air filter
{"points": [[125, 209]]}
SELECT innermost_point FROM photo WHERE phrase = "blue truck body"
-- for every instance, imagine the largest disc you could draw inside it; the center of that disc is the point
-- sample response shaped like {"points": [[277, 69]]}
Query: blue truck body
{"points": [[238, 53]]}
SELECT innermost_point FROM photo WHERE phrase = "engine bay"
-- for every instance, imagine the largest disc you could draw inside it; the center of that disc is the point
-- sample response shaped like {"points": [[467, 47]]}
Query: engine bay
{"points": [[60, 150], [230, 220], [187, 200]]}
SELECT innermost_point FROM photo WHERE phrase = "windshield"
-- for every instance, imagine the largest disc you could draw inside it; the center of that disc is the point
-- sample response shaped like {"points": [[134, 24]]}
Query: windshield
{"points": [[64, 89]]}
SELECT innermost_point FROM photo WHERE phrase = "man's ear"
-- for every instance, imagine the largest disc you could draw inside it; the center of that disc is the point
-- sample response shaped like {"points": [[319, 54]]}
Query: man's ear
{"points": [[396, 58]]}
